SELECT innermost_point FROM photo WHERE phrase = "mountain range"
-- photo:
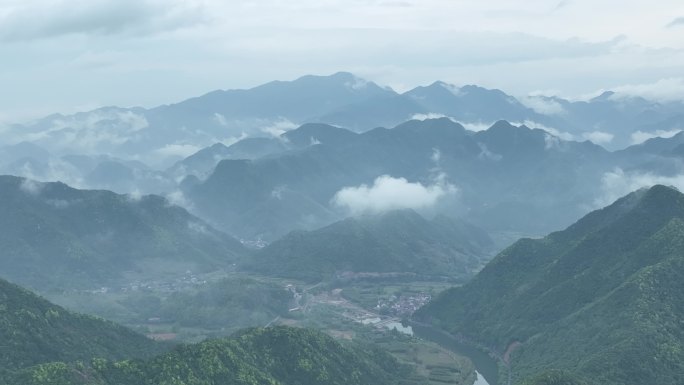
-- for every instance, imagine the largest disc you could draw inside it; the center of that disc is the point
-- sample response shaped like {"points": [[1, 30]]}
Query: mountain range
{"points": [[601, 299], [492, 177], [52, 235], [165, 134]]}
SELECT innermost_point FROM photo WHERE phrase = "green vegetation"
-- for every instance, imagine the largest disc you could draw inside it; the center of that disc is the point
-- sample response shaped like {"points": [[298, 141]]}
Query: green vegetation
{"points": [[279, 355], [602, 299], [53, 236], [229, 303], [34, 331], [396, 242], [554, 377], [216, 306]]}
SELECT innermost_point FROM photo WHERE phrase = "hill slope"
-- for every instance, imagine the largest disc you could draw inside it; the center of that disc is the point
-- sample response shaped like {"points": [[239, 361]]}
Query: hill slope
{"points": [[53, 235], [274, 356], [602, 298], [397, 241], [34, 331]]}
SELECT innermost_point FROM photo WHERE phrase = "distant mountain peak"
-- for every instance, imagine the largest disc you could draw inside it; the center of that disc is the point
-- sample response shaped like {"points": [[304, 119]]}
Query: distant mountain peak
{"points": [[606, 95]]}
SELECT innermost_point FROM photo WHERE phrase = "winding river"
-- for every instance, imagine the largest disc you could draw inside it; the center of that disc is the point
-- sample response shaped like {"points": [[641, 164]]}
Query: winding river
{"points": [[485, 365]]}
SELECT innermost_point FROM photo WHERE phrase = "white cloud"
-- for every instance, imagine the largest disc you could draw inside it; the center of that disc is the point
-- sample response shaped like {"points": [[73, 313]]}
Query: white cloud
{"points": [[278, 127], [436, 156], [220, 119], [428, 116], [551, 141], [618, 183], [135, 195], [639, 137], [178, 150], [198, 228], [388, 193], [357, 85], [486, 154], [476, 126], [177, 198], [31, 187], [598, 137], [566, 136], [664, 90], [542, 105]]}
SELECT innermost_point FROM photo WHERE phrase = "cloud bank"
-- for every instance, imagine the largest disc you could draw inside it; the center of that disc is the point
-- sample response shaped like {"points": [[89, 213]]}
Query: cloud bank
{"points": [[618, 183], [389, 193], [639, 137]]}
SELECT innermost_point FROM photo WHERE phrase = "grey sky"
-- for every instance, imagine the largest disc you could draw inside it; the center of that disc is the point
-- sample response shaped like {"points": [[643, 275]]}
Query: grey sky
{"points": [[73, 55]]}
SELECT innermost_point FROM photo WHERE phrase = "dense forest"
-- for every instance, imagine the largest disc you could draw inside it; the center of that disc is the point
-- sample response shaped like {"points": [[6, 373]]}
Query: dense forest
{"points": [[602, 299]]}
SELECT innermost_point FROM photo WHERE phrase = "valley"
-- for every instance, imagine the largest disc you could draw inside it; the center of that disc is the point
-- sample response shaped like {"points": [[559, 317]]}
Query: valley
{"points": [[328, 230]]}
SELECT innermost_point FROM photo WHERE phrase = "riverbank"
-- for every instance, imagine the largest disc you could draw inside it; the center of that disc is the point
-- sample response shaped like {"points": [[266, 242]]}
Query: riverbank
{"points": [[486, 365]]}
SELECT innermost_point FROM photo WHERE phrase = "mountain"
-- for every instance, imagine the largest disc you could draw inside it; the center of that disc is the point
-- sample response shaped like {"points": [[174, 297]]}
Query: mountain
{"points": [[504, 176], [203, 162], [33, 331], [166, 134], [399, 241], [602, 298], [54, 236], [161, 138], [471, 104], [383, 111], [279, 355]]}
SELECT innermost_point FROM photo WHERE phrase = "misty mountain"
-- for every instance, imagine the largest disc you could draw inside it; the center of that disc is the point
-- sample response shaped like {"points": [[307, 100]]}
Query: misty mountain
{"points": [[498, 179], [601, 298], [203, 162], [399, 241], [55, 236], [163, 135], [34, 331], [471, 104]]}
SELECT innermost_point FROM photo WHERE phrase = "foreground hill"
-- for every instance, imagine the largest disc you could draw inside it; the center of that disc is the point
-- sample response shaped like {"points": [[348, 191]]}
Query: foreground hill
{"points": [[603, 298], [52, 235], [274, 356], [399, 241], [34, 331]]}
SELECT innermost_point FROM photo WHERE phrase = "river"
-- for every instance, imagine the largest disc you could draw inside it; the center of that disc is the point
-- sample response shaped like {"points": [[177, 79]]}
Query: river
{"points": [[486, 366]]}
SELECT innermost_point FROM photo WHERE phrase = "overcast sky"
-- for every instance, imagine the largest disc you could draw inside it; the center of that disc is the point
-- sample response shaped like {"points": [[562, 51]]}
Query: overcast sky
{"points": [[70, 55]]}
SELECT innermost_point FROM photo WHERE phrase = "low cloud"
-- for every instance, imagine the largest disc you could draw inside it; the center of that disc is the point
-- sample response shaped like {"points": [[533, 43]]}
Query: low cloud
{"points": [[664, 90], [566, 136], [177, 198], [598, 137], [278, 127], [31, 187], [475, 126], [182, 150], [542, 105], [639, 137], [428, 116], [388, 193], [618, 183]]}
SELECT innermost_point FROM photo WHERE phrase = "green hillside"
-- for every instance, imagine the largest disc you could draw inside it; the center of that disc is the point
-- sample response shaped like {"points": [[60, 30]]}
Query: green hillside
{"points": [[272, 356], [54, 236], [603, 299], [34, 331], [397, 241]]}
